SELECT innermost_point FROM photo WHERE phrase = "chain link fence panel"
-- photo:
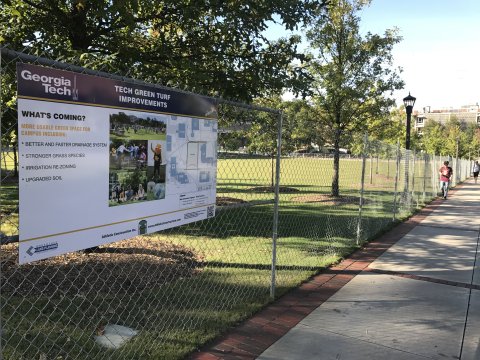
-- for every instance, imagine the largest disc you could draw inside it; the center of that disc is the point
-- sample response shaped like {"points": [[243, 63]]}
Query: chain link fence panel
{"points": [[277, 223]]}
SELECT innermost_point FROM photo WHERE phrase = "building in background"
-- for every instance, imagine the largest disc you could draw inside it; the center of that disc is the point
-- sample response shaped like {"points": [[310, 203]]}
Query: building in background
{"points": [[466, 114]]}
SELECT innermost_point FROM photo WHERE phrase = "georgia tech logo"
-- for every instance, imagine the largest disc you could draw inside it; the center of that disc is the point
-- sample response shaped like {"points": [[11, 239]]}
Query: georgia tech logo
{"points": [[51, 84]]}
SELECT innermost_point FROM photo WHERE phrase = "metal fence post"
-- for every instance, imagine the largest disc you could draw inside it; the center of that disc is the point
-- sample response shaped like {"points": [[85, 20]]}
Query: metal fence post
{"points": [[371, 168], [457, 167], [388, 162], [362, 188], [397, 170], [276, 206], [425, 161], [406, 180], [413, 179], [468, 168]]}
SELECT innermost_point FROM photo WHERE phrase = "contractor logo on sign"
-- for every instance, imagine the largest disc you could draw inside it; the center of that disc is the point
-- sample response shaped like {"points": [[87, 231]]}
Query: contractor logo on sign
{"points": [[42, 248]]}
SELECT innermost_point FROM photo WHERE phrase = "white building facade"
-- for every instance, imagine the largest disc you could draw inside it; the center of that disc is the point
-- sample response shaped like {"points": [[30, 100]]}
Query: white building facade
{"points": [[466, 114]]}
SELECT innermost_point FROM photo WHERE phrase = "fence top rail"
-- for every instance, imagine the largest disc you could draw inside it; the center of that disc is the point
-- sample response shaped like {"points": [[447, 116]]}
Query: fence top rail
{"points": [[12, 54]]}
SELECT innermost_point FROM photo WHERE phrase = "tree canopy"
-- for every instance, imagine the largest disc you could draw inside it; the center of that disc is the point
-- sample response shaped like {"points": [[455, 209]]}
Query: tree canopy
{"points": [[446, 139], [214, 46]]}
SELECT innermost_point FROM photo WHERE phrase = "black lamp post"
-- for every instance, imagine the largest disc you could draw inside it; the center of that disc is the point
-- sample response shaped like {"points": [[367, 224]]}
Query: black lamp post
{"points": [[408, 101]]}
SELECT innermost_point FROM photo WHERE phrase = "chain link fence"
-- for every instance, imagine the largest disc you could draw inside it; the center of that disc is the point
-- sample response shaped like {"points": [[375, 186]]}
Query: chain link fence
{"points": [[168, 293]]}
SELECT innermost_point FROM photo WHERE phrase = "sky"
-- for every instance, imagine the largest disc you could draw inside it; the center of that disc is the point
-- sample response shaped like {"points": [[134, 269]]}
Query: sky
{"points": [[440, 50]]}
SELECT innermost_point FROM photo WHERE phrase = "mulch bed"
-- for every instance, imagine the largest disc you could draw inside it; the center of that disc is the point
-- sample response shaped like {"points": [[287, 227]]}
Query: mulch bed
{"points": [[325, 199], [271, 189], [130, 265], [226, 200]]}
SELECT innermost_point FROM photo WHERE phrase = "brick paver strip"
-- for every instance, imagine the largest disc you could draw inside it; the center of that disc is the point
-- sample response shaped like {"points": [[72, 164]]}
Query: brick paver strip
{"points": [[255, 335]]}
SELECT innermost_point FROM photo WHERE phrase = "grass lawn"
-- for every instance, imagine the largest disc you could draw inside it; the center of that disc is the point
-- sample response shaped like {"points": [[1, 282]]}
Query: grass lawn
{"points": [[202, 277], [141, 134]]}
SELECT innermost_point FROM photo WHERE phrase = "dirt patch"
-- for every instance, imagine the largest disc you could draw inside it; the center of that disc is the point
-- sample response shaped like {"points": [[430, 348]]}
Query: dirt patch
{"points": [[271, 189], [226, 200], [382, 177], [327, 199], [131, 265], [375, 186], [379, 181]]}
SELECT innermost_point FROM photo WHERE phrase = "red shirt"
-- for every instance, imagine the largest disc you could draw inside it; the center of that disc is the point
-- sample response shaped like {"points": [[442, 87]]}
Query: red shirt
{"points": [[445, 173]]}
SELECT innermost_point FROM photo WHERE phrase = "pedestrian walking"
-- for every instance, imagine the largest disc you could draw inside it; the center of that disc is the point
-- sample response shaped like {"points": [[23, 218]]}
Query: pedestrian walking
{"points": [[476, 170], [446, 173]]}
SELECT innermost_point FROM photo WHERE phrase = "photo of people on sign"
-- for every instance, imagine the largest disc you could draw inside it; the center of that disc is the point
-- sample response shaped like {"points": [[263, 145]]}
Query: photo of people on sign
{"points": [[137, 165]]}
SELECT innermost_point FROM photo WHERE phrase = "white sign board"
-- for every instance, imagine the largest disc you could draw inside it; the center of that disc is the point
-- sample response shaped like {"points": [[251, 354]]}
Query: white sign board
{"points": [[103, 160]]}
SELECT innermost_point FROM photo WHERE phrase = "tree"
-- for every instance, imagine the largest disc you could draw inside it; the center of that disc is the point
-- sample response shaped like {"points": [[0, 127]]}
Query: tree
{"points": [[455, 135], [210, 45], [353, 74], [476, 144], [389, 127], [433, 137], [299, 125], [471, 147], [263, 133], [8, 115], [299, 130], [452, 134]]}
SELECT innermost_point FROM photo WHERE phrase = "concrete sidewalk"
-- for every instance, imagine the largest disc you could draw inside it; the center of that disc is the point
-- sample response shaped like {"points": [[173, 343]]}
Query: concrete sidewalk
{"points": [[419, 299]]}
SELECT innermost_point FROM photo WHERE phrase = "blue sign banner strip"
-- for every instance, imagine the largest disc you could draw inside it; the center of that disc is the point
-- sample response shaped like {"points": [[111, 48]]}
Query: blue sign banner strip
{"points": [[40, 82]]}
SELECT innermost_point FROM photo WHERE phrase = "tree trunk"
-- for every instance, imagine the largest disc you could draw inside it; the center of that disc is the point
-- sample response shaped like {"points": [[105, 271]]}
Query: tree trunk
{"points": [[336, 164]]}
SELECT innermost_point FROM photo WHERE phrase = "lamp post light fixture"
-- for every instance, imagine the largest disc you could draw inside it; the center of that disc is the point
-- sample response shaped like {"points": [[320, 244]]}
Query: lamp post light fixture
{"points": [[408, 101]]}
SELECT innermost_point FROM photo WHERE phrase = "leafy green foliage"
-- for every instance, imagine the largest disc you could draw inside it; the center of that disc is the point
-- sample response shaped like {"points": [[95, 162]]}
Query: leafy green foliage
{"points": [[299, 126], [210, 45], [450, 138], [353, 75]]}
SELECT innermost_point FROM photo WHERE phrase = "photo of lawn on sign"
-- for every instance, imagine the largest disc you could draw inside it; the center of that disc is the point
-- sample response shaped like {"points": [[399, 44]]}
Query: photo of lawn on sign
{"points": [[137, 158]]}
